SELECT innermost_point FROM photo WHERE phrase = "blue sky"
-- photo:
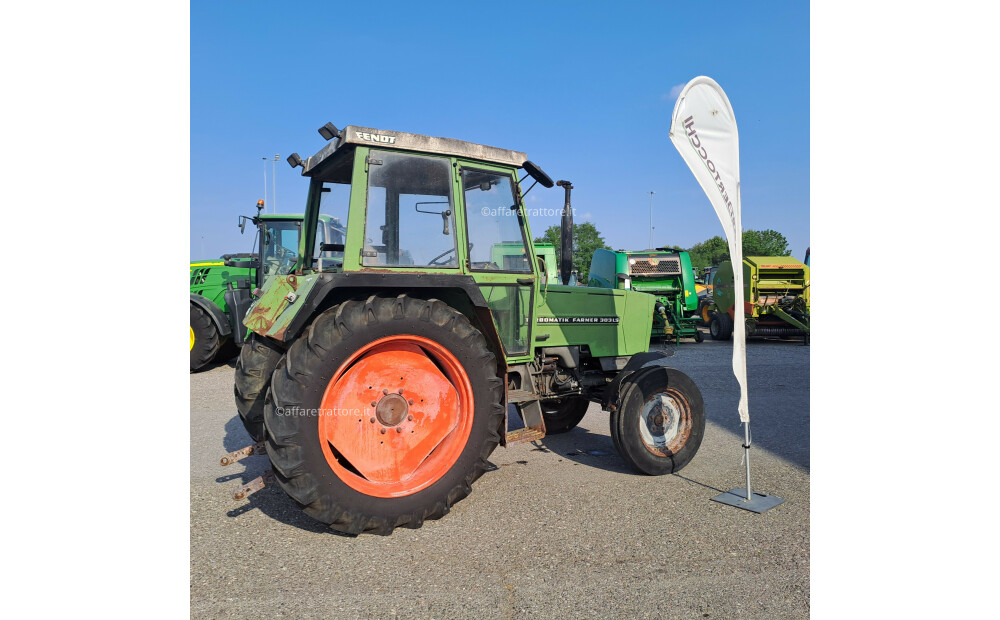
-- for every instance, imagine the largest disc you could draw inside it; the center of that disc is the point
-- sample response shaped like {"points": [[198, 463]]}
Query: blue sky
{"points": [[585, 89]]}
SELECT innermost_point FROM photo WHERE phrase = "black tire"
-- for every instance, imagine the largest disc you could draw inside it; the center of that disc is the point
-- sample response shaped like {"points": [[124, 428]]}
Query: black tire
{"points": [[635, 414], [258, 359], [698, 337], [563, 414], [293, 441], [227, 351], [205, 342], [721, 326]]}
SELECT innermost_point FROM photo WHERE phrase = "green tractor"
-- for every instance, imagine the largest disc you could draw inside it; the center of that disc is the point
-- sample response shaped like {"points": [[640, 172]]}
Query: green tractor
{"points": [[220, 289], [775, 298], [379, 387], [666, 274]]}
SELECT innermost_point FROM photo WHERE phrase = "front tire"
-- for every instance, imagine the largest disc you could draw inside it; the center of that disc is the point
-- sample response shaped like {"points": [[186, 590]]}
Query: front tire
{"points": [[563, 414], [659, 422], [385, 412], [204, 338]]}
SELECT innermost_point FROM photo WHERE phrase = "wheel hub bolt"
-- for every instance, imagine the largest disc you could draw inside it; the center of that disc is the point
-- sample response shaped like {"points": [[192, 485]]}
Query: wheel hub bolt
{"points": [[399, 429], [410, 417], [410, 402], [383, 431], [372, 419], [374, 403]]}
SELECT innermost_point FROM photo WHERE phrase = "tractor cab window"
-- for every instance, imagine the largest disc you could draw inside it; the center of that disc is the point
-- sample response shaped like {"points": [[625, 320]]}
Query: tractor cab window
{"points": [[411, 216], [331, 229], [496, 242], [280, 246]]}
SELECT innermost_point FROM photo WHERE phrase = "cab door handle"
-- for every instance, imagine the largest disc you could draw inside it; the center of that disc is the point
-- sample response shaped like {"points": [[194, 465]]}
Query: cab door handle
{"points": [[525, 281]]}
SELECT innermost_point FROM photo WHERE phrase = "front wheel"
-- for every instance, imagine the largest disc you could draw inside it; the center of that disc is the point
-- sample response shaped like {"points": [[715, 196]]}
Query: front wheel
{"points": [[563, 414], [384, 413], [659, 422], [204, 338]]}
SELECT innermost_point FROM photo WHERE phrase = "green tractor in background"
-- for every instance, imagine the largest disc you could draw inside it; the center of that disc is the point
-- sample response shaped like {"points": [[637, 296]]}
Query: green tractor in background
{"points": [[378, 387], [775, 298], [221, 289], [664, 273]]}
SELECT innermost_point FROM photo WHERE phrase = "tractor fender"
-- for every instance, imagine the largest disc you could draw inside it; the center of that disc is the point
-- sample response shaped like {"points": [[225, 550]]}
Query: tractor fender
{"points": [[635, 363], [214, 311], [459, 291]]}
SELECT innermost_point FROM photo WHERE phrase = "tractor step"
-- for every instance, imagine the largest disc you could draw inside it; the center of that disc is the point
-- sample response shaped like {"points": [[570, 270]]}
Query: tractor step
{"points": [[534, 424], [239, 455], [524, 435], [254, 485], [520, 396]]}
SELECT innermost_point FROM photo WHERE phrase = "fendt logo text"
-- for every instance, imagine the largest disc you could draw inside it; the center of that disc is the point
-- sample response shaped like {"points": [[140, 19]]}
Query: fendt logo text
{"points": [[374, 137]]}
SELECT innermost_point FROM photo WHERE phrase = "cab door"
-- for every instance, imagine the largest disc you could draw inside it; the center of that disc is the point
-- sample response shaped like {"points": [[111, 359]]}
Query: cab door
{"points": [[498, 253]]}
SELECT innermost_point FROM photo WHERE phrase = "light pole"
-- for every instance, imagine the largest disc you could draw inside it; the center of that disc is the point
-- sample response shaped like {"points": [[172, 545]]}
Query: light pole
{"points": [[274, 184], [651, 220], [264, 159]]}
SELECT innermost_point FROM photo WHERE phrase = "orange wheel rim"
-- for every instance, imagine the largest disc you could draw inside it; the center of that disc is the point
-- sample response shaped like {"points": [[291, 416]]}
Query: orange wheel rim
{"points": [[396, 416]]}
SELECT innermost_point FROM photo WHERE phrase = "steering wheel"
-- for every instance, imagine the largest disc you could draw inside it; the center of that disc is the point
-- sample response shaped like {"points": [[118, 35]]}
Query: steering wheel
{"points": [[437, 259], [286, 258]]}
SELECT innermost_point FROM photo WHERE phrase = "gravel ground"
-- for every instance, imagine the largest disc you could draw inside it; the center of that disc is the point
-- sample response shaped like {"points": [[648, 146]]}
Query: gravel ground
{"points": [[560, 528]]}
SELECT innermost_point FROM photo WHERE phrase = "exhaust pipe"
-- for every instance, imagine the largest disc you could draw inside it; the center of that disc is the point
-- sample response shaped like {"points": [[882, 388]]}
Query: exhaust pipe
{"points": [[566, 234]]}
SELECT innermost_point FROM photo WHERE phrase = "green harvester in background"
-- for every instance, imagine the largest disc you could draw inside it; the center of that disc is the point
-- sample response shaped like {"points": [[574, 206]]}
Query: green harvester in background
{"points": [[664, 273], [221, 289]]}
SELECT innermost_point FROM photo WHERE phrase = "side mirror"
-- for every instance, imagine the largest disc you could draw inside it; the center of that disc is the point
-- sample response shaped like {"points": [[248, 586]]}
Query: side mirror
{"points": [[543, 271], [536, 173]]}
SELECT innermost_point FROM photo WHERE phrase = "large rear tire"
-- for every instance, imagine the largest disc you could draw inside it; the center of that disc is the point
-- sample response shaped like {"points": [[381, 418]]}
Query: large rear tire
{"points": [[659, 422], [204, 338], [563, 414], [385, 412], [258, 359]]}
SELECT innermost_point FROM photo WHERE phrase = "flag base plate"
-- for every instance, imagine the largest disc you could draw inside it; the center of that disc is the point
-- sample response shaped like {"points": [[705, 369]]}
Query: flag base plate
{"points": [[758, 502]]}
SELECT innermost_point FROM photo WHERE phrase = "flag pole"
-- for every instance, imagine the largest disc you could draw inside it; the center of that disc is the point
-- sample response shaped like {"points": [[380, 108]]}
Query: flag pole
{"points": [[703, 129]]}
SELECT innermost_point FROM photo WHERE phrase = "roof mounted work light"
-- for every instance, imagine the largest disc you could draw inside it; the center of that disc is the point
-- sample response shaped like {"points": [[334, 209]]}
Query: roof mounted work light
{"points": [[329, 131]]}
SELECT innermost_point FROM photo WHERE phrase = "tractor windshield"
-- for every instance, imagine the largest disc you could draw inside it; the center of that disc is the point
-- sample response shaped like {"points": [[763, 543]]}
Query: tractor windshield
{"points": [[280, 246]]}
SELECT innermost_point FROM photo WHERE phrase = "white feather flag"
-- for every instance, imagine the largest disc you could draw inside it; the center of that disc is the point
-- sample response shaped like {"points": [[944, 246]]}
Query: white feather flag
{"points": [[703, 129]]}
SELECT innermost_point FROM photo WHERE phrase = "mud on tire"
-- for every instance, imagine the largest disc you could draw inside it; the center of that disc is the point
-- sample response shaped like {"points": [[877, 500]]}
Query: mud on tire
{"points": [[317, 472]]}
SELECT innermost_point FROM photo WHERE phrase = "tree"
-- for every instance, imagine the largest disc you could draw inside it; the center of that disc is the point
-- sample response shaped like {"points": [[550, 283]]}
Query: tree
{"points": [[709, 252], [586, 239], [755, 243], [765, 243]]}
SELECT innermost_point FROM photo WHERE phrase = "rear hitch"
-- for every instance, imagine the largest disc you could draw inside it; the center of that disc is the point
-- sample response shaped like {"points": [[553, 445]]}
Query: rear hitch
{"points": [[254, 485], [239, 455]]}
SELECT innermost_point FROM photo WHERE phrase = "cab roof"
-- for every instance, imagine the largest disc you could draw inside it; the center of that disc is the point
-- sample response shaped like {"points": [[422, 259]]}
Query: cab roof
{"points": [[353, 135]]}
